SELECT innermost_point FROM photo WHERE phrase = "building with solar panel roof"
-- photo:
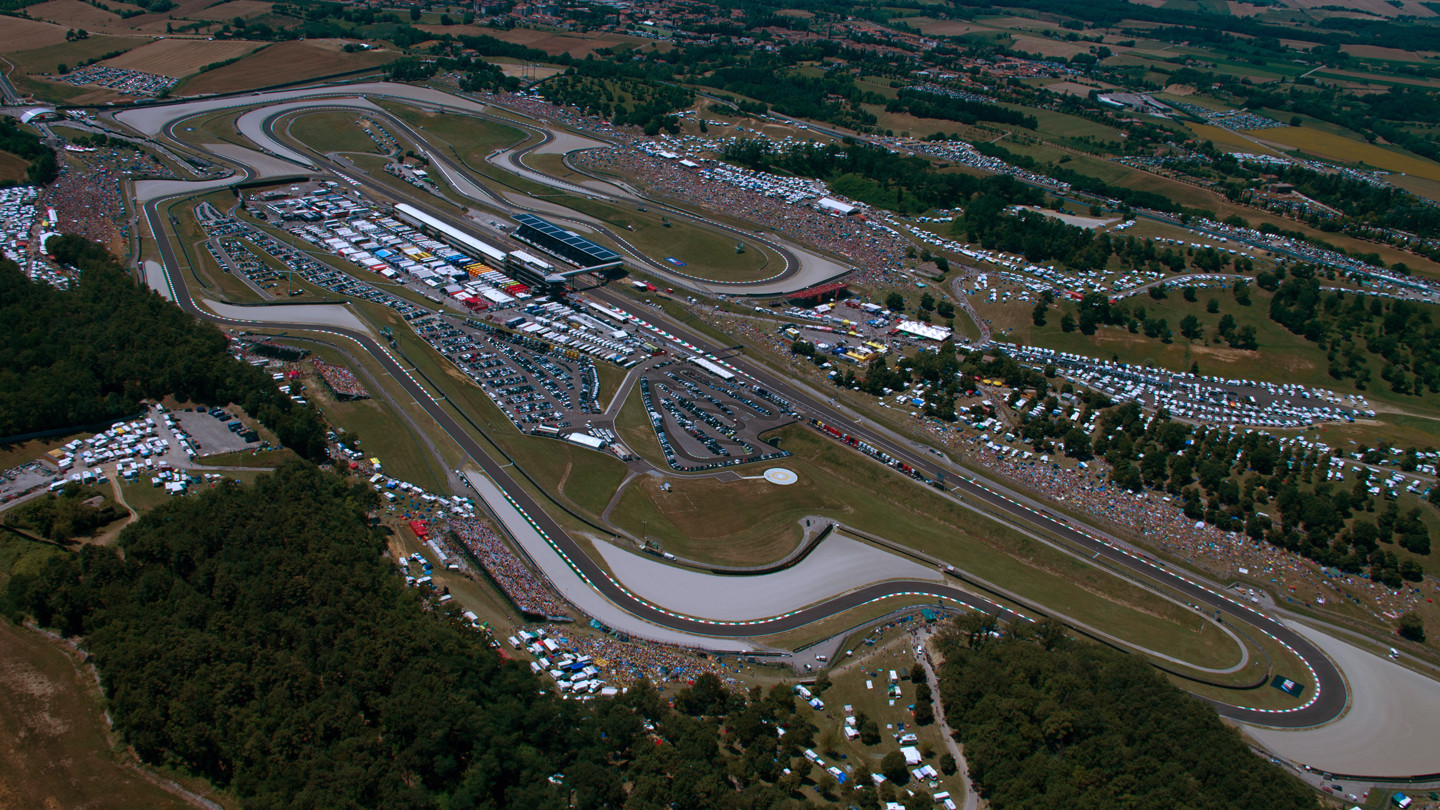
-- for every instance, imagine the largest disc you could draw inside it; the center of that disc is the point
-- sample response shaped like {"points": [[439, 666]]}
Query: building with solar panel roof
{"points": [[567, 246]]}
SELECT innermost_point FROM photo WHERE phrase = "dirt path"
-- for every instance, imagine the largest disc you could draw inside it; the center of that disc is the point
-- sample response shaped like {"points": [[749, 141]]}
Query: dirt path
{"points": [[971, 800]]}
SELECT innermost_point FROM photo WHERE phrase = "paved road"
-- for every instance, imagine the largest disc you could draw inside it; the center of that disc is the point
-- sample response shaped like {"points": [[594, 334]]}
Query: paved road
{"points": [[1328, 702], [837, 565], [1394, 731]]}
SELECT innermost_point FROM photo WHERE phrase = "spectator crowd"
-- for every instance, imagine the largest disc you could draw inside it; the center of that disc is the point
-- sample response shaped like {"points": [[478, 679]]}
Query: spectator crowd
{"points": [[874, 251], [89, 195], [626, 662], [506, 568], [341, 380]]}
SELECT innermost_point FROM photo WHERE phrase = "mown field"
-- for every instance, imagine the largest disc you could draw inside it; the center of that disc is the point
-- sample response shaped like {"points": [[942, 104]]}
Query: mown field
{"points": [[331, 131], [20, 34], [48, 59]]}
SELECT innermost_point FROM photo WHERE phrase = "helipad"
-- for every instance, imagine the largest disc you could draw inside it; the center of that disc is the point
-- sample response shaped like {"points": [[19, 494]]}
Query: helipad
{"points": [[781, 476]]}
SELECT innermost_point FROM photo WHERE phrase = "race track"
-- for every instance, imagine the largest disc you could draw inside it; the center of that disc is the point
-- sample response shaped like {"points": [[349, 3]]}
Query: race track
{"points": [[669, 610]]}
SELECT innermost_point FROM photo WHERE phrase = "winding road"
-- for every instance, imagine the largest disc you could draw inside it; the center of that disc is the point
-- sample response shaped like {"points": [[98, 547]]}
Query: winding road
{"points": [[1326, 703]]}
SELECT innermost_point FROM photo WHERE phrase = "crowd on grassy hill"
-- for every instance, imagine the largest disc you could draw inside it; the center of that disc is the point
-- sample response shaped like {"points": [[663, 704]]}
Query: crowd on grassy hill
{"points": [[873, 251], [88, 195]]}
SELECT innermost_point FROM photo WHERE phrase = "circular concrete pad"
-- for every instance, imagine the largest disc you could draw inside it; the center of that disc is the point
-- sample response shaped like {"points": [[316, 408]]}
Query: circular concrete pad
{"points": [[781, 476]]}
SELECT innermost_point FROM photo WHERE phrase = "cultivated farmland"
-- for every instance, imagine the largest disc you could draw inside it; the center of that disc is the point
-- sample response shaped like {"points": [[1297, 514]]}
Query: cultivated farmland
{"points": [[284, 62], [178, 58]]}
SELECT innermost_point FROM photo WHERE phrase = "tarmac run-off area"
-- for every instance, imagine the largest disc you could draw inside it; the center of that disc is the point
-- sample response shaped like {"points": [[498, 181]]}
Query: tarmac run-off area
{"points": [[1392, 727]]}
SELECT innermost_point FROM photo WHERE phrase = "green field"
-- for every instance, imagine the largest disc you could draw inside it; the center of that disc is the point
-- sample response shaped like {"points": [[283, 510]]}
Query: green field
{"points": [[741, 522], [331, 131], [374, 167], [707, 254], [472, 139]]}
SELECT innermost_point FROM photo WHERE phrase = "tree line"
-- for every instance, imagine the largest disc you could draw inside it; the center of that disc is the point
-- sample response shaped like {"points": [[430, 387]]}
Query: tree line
{"points": [[1241, 481], [622, 93], [905, 184], [924, 104], [96, 350]]}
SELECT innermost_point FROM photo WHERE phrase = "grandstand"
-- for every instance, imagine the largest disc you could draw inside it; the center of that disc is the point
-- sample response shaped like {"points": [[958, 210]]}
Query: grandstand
{"points": [[833, 291]]}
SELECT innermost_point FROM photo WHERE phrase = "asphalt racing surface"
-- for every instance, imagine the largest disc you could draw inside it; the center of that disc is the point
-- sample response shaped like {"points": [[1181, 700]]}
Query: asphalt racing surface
{"points": [[1327, 703]]}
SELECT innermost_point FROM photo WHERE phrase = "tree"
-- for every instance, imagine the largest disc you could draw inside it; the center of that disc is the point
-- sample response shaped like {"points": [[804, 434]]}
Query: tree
{"points": [[947, 764], [1067, 323], [1242, 293], [414, 13], [895, 302], [892, 767], [1411, 626], [868, 728], [1212, 306], [1245, 338], [1190, 327], [1038, 314], [927, 301]]}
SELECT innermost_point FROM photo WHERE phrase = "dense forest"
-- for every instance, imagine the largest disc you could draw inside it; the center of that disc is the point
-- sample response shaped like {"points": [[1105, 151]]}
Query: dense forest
{"points": [[95, 351], [621, 93], [1366, 203], [255, 636], [1049, 722]]}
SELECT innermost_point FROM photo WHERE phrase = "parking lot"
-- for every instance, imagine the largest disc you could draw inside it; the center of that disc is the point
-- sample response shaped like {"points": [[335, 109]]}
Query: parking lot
{"points": [[220, 227], [704, 421], [212, 435], [534, 383], [121, 80], [17, 482], [1202, 399]]}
